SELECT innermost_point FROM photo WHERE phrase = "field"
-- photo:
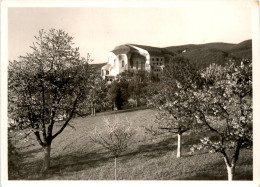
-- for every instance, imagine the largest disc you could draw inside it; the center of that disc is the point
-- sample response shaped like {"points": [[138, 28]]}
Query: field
{"points": [[75, 157]]}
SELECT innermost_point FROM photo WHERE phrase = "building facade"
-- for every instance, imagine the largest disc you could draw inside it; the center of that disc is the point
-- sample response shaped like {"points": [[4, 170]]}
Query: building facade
{"points": [[131, 57]]}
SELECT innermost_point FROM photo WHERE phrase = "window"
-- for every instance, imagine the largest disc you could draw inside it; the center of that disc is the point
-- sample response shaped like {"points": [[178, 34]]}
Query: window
{"points": [[123, 63], [157, 59], [152, 59], [107, 72], [131, 64], [140, 64]]}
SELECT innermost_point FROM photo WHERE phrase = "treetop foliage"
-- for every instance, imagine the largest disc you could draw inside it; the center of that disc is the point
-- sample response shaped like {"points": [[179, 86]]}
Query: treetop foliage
{"points": [[50, 81], [173, 97], [225, 108]]}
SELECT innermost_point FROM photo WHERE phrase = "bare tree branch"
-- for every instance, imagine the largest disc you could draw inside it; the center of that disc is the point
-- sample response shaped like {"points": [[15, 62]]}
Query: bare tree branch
{"points": [[68, 119]]}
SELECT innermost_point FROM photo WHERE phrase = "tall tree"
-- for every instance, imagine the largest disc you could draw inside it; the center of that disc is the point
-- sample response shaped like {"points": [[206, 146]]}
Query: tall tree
{"points": [[173, 99], [119, 99], [118, 93], [225, 109], [50, 81]]}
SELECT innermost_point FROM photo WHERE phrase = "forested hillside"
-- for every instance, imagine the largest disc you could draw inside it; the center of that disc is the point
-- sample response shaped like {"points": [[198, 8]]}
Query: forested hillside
{"points": [[204, 54]]}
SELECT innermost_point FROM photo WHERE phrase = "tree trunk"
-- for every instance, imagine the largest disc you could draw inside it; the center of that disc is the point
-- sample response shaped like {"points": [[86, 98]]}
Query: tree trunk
{"points": [[93, 111], [230, 169], [115, 167], [46, 158], [179, 146], [115, 107]]}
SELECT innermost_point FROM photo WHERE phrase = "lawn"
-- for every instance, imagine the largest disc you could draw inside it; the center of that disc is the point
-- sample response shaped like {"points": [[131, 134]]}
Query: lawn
{"points": [[75, 157]]}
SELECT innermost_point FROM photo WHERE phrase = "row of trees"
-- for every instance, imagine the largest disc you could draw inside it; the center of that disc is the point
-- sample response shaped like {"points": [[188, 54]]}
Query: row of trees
{"points": [[217, 100]]}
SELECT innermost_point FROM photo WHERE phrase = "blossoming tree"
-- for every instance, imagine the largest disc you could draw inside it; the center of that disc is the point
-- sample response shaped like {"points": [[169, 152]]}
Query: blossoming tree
{"points": [[174, 101], [225, 109], [49, 82]]}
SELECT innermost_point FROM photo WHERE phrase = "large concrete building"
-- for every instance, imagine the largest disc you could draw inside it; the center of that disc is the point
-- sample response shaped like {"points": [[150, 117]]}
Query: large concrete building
{"points": [[131, 57]]}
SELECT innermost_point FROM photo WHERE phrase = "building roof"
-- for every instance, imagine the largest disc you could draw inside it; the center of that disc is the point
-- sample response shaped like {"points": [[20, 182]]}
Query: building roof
{"points": [[107, 67], [126, 48], [123, 49], [150, 49]]}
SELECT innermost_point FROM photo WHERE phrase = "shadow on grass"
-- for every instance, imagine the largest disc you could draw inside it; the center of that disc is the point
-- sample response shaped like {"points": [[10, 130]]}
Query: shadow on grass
{"points": [[32, 151], [218, 171], [160, 148], [71, 163], [78, 161], [68, 163]]}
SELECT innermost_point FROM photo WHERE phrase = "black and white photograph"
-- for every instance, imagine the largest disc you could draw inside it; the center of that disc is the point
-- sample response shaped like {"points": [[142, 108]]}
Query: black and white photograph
{"points": [[129, 91]]}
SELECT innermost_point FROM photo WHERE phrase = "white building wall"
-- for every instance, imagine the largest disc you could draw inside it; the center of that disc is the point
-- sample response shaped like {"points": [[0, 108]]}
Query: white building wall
{"points": [[123, 62], [113, 61]]}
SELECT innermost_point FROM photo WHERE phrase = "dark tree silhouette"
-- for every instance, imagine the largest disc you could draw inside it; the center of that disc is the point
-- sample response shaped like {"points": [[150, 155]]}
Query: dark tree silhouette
{"points": [[119, 100]]}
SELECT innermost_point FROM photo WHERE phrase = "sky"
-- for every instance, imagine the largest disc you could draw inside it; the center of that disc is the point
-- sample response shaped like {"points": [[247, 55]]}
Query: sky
{"points": [[98, 30]]}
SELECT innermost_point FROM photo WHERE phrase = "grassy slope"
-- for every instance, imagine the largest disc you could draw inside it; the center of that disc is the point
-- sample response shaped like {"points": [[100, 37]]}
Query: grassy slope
{"points": [[74, 156]]}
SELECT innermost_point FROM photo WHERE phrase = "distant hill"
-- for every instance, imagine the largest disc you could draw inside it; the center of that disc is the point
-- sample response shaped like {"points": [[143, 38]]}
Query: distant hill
{"points": [[204, 54]]}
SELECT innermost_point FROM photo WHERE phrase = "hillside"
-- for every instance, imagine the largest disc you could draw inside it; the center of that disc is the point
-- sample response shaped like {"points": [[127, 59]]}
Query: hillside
{"points": [[75, 157], [204, 54]]}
